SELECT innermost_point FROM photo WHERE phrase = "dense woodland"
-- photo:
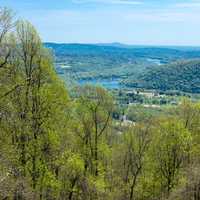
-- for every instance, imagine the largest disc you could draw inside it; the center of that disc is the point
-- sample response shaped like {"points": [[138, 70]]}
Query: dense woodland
{"points": [[54, 147], [180, 76], [152, 68]]}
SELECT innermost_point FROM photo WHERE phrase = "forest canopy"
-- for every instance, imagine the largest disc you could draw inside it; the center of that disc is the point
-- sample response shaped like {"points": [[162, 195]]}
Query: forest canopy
{"points": [[57, 147], [181, 76]]}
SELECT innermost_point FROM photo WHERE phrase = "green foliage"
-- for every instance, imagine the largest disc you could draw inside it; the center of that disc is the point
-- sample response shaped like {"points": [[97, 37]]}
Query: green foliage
{"points": [[55, 147], [179, 76], [172, 145]]}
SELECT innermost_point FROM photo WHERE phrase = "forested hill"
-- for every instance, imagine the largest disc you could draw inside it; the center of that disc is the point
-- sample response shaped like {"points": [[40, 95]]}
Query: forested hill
{"points": [[182, 75], [162, 53]]}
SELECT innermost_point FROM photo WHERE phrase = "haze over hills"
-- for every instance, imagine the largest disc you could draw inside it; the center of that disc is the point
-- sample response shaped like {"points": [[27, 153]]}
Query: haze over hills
{"points": [[131, 46], [122, 45], [171, 52]]}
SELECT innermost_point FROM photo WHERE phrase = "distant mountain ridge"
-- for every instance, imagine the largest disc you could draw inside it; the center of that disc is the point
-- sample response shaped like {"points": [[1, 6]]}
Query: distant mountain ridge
{"points": [[179, 69], [132, 46], [163, 53]]}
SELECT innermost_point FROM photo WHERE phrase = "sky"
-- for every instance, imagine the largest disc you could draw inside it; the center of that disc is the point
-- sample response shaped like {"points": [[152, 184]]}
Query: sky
{"points": [[139, 22]]}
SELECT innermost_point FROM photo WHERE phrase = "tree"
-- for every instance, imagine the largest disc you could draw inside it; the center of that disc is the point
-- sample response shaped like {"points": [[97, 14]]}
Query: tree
{"points": [[172, 142], [94, 114], [6, 24], [37, 101], [131, 157]]}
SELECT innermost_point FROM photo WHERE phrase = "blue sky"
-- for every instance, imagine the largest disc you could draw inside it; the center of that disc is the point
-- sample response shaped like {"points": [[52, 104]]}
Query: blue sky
{"points": [[148, 22]]}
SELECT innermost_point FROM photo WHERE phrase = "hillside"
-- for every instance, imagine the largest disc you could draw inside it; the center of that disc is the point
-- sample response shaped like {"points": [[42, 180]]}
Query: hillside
{"points": [[182, 75], [126, 51], [87, 143], [108, 61]]}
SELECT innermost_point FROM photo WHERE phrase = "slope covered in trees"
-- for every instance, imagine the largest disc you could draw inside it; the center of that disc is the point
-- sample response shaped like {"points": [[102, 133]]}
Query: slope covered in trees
{"points": [[129, 65], [53, 147], [171, 53], [181, 76]]}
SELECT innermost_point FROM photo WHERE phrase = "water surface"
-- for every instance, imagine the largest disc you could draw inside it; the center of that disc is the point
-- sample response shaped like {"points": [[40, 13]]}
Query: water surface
{"points": [[106, 83]]}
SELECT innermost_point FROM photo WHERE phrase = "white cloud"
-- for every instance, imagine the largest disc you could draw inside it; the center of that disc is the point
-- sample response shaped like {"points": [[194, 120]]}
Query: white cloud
{"points": [[192, 4], [125, 2], [164, 16], [144, 23]]}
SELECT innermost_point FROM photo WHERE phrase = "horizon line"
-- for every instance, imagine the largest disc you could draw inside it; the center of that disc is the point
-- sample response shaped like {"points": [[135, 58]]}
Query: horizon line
{"points": [[125, 44]]}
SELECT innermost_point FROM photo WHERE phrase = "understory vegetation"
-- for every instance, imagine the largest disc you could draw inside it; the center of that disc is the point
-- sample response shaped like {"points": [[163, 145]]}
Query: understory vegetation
{"points": [[55, 147]]}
